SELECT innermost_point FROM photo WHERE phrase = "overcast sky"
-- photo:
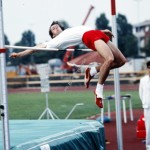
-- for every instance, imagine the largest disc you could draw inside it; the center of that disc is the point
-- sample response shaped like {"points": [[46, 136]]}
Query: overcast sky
{"points": [[37, 15]]}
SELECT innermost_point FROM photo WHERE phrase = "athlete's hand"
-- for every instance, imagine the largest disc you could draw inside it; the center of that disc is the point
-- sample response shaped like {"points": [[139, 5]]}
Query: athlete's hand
{"points": [[108, 33], [14, 55]]}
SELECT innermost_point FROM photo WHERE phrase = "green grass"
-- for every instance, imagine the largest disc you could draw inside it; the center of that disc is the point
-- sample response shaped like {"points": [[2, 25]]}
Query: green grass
{"points": [[31, 105]]}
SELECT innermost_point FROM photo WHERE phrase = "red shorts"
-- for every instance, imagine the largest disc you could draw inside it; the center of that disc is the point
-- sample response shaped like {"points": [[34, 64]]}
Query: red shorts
{"points": [[91, 36]]}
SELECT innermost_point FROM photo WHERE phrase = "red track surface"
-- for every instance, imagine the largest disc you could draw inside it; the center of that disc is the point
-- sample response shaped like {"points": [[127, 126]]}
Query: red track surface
{"points": [[73, 88], [130, 141]]}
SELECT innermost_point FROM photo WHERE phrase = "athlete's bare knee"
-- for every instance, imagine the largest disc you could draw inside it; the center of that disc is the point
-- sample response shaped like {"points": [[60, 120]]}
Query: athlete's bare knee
{"points": [[122, 62], [109, 61]]}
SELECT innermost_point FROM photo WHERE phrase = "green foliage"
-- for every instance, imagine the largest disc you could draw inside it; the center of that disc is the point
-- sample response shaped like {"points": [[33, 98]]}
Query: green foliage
{"points": [[64, 24], [102, 22], [127, 42], [31, 105], [8, 51], [28, 39]]}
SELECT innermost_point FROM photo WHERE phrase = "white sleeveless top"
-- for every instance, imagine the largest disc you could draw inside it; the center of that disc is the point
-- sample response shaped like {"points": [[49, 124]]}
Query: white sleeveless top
{"points": [[69, 37]]}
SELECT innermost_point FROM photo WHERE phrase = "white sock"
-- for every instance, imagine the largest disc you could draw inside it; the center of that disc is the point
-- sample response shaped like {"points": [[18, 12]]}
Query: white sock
{"points": [[93, 71], [99, 90]]}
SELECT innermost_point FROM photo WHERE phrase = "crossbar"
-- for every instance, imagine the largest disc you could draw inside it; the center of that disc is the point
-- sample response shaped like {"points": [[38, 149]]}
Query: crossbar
{"points": [[43, 49]]}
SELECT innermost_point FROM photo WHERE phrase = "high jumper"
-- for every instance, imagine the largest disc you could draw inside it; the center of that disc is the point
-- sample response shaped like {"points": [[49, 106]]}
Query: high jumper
{"points": [[97, 40]]}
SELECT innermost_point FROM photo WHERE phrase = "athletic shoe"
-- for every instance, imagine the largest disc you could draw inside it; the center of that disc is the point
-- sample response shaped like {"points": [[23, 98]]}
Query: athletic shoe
{"points": [[87, 77], [98, 101]]}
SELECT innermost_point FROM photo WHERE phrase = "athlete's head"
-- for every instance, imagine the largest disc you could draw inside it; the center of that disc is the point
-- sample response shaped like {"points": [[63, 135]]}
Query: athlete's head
{"points": [[55, 29], [148, 64]]}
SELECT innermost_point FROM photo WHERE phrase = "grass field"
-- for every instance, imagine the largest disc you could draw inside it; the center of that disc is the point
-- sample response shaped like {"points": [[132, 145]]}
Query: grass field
{"points": [[31, 105]]}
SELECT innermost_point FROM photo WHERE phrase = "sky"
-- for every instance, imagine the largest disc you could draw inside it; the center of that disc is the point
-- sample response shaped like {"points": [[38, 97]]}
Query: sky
{"points": [[37, 15]]}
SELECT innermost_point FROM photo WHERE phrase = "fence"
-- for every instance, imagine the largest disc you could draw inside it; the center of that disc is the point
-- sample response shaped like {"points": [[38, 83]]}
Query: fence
{"points": [[65, 79]]}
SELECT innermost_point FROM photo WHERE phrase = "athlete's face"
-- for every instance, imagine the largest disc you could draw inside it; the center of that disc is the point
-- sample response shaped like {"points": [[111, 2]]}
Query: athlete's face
{"points": [[56, 30]]}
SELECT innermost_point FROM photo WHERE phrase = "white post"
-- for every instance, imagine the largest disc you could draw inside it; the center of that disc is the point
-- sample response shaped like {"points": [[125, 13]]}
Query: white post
{"points": [[43, 71], [117, 84], [124, 110], [3, 87], [108, 106]]}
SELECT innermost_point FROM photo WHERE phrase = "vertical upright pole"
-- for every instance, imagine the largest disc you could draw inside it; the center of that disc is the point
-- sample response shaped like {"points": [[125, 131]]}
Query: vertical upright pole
{"points": [[117, 84], [47, 113], [3, 86]]}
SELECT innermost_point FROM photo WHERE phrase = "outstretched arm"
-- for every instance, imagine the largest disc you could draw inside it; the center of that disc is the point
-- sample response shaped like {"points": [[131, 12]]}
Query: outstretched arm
{"points": [[26, 52]]}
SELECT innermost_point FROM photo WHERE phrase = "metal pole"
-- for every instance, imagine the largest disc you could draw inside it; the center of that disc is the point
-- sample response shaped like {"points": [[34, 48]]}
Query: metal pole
{"points": [[47, 113], [117, 84], [91, 8], [3, 90], [74, 107]]}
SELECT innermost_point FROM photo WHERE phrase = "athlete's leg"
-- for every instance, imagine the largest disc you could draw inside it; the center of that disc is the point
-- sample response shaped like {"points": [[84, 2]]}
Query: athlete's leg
{"points": [[105, 52], [119, 59]]}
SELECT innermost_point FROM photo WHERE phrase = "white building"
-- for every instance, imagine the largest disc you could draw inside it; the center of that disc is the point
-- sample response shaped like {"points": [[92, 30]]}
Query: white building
{"points": [[142, 31]]}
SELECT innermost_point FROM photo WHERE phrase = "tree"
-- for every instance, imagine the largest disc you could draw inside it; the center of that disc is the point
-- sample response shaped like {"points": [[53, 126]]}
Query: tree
{"points": [[102, 22], [28, 39], [8, 51], [127, 42], [64, 24]]}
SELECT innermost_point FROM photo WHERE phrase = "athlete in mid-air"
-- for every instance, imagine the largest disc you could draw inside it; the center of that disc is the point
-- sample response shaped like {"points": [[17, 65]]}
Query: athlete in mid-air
{"points": [[97, 40]]}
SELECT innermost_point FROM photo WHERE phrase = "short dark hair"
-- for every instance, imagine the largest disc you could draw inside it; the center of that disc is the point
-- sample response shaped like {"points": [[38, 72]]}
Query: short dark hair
{"points": [[148, 64], [53, 23]]}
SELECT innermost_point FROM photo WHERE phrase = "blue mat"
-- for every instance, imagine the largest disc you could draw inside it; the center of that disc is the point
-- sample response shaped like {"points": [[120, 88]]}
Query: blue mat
{"points": [[55, 135]]}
